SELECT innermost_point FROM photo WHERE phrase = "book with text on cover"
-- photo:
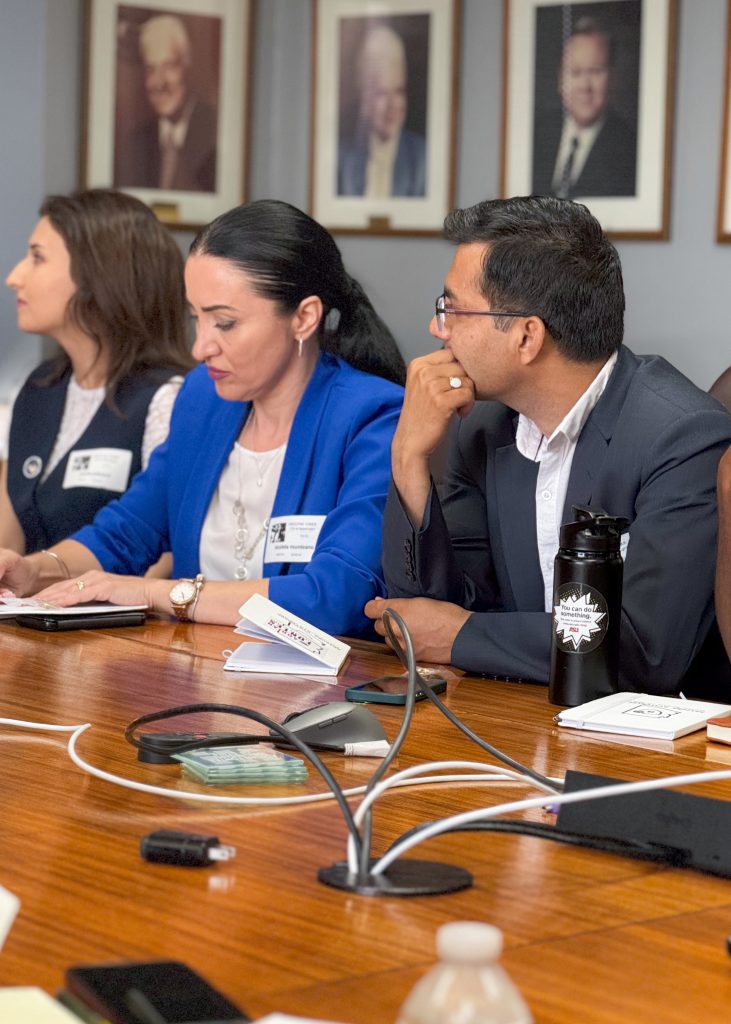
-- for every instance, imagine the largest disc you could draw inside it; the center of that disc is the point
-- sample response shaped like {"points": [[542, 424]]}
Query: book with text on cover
{"points": [[642, 714], [291, 644]]}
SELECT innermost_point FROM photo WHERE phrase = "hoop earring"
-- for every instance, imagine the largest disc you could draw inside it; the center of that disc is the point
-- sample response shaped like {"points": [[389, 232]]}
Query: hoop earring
{"points": [[300, 343]]}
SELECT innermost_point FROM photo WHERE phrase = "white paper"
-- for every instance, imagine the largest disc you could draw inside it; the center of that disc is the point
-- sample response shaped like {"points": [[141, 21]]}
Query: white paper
{"points": [[642, 714], [9, 907], [104, 469], [28, 1005], [12, 606], [293, 646]]}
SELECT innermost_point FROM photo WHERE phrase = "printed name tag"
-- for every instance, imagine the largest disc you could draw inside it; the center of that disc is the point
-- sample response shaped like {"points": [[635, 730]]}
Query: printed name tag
{"points": [[292, 538], [105, 469]]}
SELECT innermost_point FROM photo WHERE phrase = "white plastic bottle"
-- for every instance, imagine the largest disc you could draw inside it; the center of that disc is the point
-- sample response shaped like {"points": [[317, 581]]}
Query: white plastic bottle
{"points": [[468, 985]]}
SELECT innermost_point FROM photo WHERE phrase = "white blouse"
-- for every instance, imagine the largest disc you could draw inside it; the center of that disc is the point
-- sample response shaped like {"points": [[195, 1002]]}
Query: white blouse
{"points": [[81, 407], [234, 530]]}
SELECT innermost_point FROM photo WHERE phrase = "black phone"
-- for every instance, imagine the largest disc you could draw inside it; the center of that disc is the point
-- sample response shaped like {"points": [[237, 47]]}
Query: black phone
{"points": [[54, 623], [154, 992], [390, 690]]}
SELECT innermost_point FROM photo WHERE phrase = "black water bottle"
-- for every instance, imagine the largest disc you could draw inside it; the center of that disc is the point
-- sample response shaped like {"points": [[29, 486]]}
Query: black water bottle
{"points": [[587, 606]]}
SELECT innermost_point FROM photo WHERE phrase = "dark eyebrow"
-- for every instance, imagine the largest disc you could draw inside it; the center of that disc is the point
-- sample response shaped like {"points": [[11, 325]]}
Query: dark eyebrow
{"points": [[217, 308], [447, 292]]}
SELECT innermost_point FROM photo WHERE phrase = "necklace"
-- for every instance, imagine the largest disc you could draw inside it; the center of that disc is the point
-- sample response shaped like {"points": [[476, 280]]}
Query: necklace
{"points": [[243, 550]]}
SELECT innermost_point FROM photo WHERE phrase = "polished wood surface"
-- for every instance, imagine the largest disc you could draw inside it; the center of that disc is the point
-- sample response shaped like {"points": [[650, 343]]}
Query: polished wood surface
{"points": [[589, 937]]}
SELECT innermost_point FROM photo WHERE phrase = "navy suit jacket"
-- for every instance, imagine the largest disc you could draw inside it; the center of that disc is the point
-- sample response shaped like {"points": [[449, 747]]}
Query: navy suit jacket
{"points": [[648, 451], [409, 169], [610, 168]]}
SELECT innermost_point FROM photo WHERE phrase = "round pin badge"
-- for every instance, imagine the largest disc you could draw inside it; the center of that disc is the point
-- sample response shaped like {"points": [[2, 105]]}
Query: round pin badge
{"points": [[32, 467]]}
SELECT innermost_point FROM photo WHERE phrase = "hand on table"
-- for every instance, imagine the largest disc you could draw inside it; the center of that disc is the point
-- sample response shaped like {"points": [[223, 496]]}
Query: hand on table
{"points": [[96, 586], [16, 574], [432, 625]]}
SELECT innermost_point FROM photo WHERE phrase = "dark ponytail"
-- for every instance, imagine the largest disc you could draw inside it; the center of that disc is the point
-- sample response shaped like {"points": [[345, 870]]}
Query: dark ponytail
{"points": [[289, 256]]}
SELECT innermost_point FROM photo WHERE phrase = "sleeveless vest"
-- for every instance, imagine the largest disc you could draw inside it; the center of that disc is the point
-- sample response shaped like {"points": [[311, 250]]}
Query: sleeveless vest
{"points": [[48, 512]]}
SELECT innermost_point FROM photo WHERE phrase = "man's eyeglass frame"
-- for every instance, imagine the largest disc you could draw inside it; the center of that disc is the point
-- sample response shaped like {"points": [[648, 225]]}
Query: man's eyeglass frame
{"points": [[442, 311]]}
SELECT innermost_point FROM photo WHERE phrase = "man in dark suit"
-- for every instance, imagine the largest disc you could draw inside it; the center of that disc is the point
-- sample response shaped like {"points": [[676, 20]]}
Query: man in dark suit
{"points": [[553, 412], [589, 150], [175, 150]]}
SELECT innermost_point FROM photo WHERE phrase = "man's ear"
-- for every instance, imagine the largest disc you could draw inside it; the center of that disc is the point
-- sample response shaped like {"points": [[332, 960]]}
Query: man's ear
{"points": [[532, 339], [306, 318]]}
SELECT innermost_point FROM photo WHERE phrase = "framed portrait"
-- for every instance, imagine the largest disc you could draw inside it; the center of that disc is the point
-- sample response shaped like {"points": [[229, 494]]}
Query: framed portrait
{"points": [[165, 111], [383, 115], [723, 221], [588, 107]]}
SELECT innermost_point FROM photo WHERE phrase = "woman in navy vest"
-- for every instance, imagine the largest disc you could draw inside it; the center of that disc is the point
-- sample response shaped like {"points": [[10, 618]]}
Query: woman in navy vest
{"points": [[273, 478], [104, 278]]}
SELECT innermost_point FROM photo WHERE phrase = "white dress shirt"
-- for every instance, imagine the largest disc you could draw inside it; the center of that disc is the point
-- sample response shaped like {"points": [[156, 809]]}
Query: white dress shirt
{"points": [[555, 455]]}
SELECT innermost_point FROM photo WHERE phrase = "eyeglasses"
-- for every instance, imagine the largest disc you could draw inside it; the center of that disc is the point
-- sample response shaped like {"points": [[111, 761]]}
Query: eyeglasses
{"points": [[442, 311]]}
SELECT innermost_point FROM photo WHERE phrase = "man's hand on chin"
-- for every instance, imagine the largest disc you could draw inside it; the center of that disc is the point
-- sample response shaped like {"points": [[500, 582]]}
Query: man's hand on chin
{"points": [[433, 625]]}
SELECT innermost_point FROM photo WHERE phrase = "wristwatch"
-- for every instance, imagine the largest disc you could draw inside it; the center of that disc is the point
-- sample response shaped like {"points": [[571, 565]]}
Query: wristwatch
{"points": [[184, 596]]}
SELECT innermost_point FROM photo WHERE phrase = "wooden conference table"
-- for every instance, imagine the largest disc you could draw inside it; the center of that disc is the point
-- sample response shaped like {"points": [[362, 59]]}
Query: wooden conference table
{"points": [[589, 936]]}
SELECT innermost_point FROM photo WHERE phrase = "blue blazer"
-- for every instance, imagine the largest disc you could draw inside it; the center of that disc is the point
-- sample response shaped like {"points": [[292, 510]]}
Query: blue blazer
{"points": [[337, 464]]}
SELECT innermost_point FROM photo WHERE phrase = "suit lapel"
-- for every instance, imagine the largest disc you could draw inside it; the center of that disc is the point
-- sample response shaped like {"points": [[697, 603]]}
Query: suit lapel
{"points": [[296, 469], [593, 443]]}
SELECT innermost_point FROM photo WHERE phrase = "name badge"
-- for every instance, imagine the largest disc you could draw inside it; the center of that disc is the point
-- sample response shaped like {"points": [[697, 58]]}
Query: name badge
{"points": [[104, 469], [292, 538]]}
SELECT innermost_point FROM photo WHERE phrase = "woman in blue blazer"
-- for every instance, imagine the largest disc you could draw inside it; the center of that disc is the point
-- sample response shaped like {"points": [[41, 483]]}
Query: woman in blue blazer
{"points": [[274, 475]]}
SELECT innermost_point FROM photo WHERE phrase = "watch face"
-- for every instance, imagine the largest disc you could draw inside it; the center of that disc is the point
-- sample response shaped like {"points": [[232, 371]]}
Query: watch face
{"points": [[183, 592]]}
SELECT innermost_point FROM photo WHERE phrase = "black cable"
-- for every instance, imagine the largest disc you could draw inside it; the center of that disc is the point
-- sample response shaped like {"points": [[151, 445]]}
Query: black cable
{"points": [[493, 751], [255, 716], [540, 830], [414, 680]]}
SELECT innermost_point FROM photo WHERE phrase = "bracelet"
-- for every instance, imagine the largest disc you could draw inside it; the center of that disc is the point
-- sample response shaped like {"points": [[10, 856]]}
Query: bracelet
{"points": [[60, 561], [200, 580]]}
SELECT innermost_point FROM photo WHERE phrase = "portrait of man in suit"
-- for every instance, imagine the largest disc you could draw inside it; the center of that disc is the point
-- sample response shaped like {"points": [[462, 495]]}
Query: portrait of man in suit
{"points": [[171, 143], [379, 154], [586, 147]]}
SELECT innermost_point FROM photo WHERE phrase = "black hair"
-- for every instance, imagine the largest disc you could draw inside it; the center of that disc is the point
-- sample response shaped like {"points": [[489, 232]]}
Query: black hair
{"points": [[288, 256], [550, 257]]}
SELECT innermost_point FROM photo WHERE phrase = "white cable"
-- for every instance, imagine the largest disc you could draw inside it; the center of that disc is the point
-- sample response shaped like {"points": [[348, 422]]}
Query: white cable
{"points": [[485, 813], [490, 773], [42, 725]]}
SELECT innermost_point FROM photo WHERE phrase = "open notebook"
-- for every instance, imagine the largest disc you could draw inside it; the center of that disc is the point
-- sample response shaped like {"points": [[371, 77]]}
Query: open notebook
{"points": [[291, 644]]}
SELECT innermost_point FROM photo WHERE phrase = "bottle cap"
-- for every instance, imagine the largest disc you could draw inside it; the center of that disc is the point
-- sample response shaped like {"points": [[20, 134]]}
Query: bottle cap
{"points": [[469, 942], [593, 531]]}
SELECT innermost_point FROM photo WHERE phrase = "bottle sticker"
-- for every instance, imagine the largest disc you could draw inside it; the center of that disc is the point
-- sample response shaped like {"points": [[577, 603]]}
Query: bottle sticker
{"points": [[579, 618]]}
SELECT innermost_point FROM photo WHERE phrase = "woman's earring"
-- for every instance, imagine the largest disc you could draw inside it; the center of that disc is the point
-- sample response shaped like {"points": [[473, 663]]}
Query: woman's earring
{"points": [[300, 343]]}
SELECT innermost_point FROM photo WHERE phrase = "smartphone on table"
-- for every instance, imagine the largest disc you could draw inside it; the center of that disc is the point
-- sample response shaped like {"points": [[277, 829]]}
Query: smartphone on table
{"points": [[392, 689], [154, 992]]}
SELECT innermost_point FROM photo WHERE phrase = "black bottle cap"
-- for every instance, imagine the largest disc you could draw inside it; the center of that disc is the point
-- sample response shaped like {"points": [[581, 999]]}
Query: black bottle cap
{"points": [[593, 531]]}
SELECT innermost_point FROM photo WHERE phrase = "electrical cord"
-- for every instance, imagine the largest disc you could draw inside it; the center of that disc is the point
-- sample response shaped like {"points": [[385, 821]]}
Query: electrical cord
{"points": [[408, 662], [540, 830], [281, 730], [402, 845], [405, 776]]}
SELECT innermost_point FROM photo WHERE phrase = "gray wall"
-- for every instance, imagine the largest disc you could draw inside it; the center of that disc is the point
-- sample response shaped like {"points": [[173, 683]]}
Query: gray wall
{"points": [[676, 291]]}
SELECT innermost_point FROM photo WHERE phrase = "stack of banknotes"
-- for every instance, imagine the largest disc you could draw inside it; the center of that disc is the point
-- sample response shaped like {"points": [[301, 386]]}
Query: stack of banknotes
{"points": [[220, 766]]}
